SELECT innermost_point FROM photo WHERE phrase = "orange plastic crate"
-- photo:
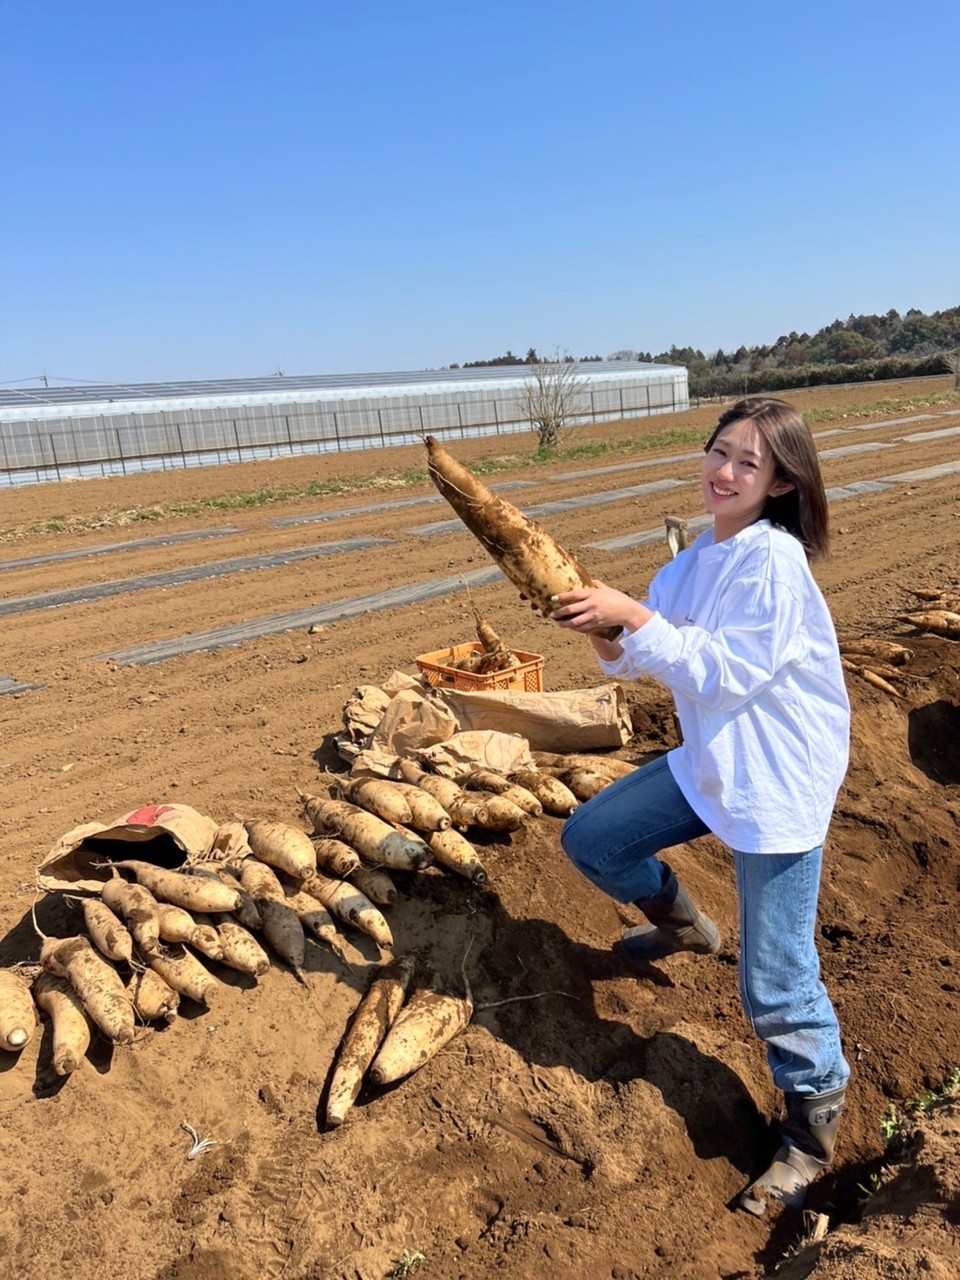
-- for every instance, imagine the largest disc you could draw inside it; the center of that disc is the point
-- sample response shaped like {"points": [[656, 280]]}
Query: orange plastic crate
{"points": [[437, 668]]}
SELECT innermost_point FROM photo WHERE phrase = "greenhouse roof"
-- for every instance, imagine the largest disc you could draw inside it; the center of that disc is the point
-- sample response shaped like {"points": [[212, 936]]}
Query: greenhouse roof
{"points": [[300, 387]]}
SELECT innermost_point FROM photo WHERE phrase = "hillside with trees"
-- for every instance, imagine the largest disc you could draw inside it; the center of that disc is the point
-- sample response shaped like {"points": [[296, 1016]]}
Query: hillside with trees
{"points": [[859, 349]]}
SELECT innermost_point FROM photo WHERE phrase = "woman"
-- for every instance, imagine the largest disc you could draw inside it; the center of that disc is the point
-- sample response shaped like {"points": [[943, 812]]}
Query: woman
{"points": [[738, 630]]}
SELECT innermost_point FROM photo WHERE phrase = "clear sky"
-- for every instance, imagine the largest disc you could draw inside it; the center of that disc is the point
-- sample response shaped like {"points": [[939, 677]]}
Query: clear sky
{"points": [[223, 188]]}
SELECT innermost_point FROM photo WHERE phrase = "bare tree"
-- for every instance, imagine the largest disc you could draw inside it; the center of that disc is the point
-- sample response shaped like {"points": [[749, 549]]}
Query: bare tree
{"points": [[552, 397], [953, 364]]}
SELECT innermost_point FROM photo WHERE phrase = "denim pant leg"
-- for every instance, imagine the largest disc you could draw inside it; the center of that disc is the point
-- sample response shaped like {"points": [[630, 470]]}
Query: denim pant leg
{"points": [[783, 996], [612, 838]]}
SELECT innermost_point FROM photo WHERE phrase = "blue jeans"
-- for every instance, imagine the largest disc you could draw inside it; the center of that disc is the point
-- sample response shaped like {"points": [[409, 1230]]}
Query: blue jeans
{"points": [[613, 840]]}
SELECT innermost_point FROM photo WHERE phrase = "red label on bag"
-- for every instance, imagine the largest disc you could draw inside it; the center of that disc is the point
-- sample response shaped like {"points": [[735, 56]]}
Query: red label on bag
{"points": [[148, 815]]}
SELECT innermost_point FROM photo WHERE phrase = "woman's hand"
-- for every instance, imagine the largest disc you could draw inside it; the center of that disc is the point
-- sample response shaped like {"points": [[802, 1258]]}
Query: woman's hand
{"points": [[598, 606]]}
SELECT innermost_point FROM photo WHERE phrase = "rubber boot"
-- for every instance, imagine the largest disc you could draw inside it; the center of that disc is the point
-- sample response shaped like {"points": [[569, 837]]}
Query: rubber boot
{"points": [[675, 925], [809, 1134]]}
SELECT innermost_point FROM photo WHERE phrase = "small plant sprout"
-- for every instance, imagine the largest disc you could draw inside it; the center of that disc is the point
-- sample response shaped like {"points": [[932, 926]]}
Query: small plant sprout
{"points": [[406, 1265], [889, 1124]]}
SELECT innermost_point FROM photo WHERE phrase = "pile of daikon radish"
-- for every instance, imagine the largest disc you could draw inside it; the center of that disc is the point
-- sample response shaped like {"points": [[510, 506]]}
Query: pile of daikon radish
{"points": [[149, 932]]}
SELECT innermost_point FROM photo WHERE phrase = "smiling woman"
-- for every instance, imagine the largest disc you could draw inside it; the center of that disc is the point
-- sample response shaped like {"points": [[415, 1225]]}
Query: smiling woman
{"points": [[739, 477], [736, 627], [761, 463]]}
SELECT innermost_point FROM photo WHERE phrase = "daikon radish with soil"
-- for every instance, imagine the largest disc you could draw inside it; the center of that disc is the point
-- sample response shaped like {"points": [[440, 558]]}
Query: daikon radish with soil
{"points": [[584, 783], [498, 813], [260, 882], [178, 925], [928, 594], [941, 622], [316, 920], [206, 938], [555, 796], [427, 1022], [878, 682], [181, 888], [376, 884], [153, 999], [426, 811], [18, 1013], [346, 902], [69, 1024], [283, 847], [883, 650], [885, 669], [443, 789], [107, 931], [246, 913], [461, 807], [496, 656], [240, 950], [536, 565], [185, 973], [375, 840], [377, 796], [456, 853], [486, 810], [575, 760], [935, 597], [95, 981], [466, 809], [870, 677], [485, 633], [334, 857], [489, 780], [284, 932], [139, 909], [371, 1021]]}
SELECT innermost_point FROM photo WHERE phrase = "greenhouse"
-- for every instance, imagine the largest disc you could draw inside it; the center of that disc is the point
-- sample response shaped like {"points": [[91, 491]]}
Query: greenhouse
{"points": [[48, 433]]}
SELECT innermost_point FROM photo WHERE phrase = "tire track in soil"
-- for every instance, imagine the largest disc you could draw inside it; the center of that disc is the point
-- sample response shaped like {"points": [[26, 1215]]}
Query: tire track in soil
{"points": [[284, 1197]]}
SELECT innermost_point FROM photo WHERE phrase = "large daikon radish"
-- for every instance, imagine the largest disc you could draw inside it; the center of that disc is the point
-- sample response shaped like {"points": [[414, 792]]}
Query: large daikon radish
{"points": [[372, 1020], [536, 565], [375, 840]]}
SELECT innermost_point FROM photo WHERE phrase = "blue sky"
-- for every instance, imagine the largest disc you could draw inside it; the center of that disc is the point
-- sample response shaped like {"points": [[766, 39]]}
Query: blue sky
{"points": [[207, 189]]}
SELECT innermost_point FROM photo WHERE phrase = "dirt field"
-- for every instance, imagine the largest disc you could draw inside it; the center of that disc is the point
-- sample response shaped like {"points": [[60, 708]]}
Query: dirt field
{"points": [[600, 1132]]}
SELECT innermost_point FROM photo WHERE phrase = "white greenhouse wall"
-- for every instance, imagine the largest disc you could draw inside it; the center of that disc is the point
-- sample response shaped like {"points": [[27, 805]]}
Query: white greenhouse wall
{"points": [[47, 434]]}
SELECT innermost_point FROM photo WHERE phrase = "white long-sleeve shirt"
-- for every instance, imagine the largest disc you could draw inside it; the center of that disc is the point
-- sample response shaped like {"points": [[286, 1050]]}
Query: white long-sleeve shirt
{"points": [[742, 637]]}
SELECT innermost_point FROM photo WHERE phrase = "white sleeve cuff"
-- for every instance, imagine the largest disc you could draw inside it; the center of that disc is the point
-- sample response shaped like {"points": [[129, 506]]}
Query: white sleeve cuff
{"points": [[638, 647]]}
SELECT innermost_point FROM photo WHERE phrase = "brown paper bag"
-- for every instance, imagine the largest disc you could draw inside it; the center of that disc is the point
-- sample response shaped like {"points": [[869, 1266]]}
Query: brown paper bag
{"points": [[565, 720], [167, 834], [477, 749], [413, 719]]}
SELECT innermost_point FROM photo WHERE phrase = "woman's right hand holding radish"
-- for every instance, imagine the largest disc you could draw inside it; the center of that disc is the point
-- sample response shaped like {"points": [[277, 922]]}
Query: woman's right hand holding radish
{"points": [[587, 608]]}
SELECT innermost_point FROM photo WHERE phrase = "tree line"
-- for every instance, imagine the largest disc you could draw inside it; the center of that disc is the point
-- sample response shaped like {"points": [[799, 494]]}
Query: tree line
{"points": [[862, 348]]}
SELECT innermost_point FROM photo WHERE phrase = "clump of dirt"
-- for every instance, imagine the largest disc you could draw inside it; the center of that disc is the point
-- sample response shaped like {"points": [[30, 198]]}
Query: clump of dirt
{"points": [[910, 1225]]}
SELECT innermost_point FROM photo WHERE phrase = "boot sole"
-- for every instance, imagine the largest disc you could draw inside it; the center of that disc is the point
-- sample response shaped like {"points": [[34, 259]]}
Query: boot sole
{"points": [[640, 954], [648, 942]]}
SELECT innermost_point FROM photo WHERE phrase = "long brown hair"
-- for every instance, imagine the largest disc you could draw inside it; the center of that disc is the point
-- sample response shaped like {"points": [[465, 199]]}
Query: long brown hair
{"points": [[802, 511]]}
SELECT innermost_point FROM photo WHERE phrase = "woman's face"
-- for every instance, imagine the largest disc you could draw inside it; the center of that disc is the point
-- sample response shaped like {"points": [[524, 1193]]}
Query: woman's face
{"points": [[739, 475]]}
